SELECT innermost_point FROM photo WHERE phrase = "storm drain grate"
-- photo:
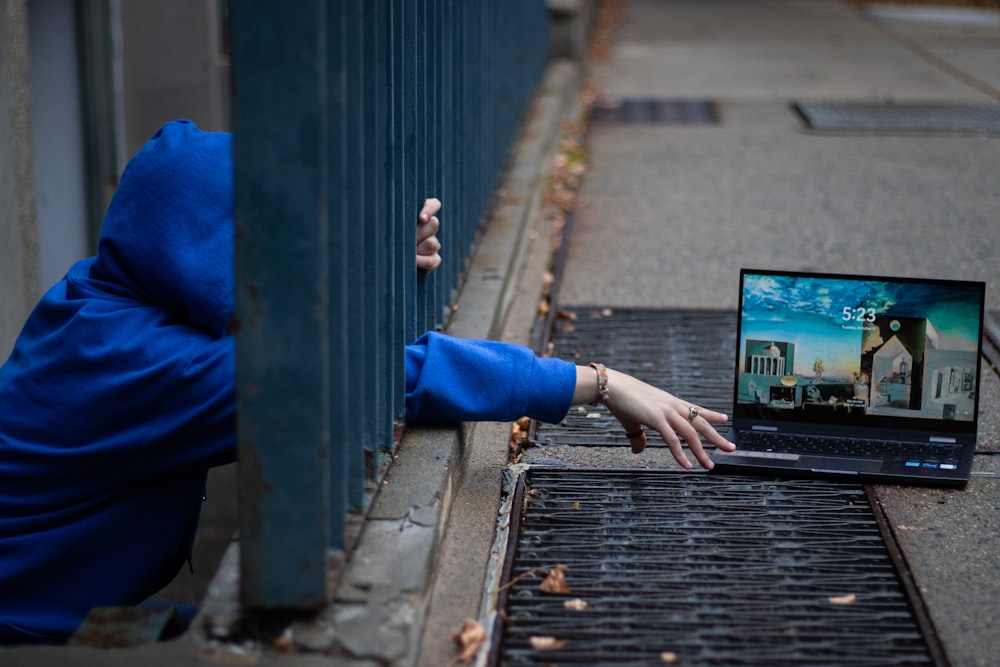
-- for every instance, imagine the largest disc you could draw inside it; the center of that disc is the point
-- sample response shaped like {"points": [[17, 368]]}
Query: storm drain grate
{"points": [[656, 112], [991, 339], [688, 352], [901, 117], [699, 569]]}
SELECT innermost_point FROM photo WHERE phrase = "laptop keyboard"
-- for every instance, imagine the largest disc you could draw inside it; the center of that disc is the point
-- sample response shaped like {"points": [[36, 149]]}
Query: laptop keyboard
{"points": [[889, 450]]}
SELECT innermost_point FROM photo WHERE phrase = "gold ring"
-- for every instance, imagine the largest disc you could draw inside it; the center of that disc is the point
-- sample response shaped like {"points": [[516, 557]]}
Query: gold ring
{"points": [[692, 413]]}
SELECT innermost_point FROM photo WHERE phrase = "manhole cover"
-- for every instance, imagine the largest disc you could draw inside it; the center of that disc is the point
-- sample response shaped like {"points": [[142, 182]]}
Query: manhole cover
{"points": [[903, 117], [699, 569], [656, 112], [690, 353]]}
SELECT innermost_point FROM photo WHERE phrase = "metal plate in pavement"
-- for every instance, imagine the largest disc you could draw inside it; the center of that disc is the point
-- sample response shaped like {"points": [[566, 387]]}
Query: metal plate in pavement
{"points": [[654, 111], [699, 569], [690, 353], [900, 117]]}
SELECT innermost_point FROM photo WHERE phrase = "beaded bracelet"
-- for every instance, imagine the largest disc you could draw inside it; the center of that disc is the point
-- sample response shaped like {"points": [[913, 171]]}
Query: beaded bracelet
{"points": [[602, 383]]}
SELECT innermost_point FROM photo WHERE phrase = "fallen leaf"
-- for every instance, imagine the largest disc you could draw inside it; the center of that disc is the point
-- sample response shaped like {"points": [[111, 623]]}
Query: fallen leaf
{"points": [[575, 605], [566, 315], [593, 415], [555, 581], [284, 643], [668, 656], [547, 643], [843, 599], [469, 639], [575, 505], [914, 528]]}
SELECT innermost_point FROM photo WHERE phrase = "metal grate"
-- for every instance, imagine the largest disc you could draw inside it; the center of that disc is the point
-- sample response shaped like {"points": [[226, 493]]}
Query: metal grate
{"points": [[656, 112], [691, 353], [991, 339], [701, 570], [907, 117]]}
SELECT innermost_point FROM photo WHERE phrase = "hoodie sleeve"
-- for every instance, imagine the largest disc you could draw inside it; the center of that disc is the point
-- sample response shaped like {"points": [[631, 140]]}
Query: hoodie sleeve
{"points": [[451, 379]]}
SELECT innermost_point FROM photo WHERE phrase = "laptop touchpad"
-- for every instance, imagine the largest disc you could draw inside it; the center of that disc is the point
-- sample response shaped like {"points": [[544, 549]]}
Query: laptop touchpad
{"points": [[838, 464]]}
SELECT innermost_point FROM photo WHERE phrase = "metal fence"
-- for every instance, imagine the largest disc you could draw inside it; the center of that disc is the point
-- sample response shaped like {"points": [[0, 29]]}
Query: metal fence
{"points": [[347, 115]]}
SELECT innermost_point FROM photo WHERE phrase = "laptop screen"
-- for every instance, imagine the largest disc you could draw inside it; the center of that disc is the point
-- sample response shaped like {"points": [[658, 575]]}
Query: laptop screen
{"points": [[899, 353]]}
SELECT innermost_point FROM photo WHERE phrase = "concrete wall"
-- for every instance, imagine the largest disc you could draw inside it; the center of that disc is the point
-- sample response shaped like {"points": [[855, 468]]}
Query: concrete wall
{"points": [[58, 139], [18, 231], [175, 66], [173, 63]]}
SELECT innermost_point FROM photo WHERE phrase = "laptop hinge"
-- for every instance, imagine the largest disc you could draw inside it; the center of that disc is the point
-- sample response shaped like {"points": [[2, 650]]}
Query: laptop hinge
{"points": [[948, 441]]}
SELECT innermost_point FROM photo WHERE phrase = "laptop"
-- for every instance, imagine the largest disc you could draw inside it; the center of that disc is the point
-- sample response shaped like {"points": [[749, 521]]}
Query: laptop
{"points": [[863, 378]]}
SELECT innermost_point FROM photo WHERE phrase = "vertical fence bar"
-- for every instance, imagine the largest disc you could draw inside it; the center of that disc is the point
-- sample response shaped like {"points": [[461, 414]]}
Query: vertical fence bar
{"points": [[432, 85], [283, 339], [446, 173], [412, 174], [342, 451], [420, 143], [460, 209], [391, 324], [400, 192], [426, 141], [358, 316], [377, 225]]}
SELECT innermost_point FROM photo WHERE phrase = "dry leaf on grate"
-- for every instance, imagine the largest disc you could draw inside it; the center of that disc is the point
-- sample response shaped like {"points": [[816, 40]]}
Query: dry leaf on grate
{"points": [[555, 581], [547, 643], [850, 598]]}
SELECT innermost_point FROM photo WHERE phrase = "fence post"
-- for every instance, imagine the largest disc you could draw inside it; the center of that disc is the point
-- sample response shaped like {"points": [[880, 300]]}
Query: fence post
{"points": [[284, 392]]}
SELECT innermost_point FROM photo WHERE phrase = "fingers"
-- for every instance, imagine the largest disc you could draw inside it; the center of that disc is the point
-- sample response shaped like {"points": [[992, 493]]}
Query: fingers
{"points": [[427, 229], [428, 245], [678, 430], [696, 422], [431, 206], [428, 251], [428, 262], [635, 403]]}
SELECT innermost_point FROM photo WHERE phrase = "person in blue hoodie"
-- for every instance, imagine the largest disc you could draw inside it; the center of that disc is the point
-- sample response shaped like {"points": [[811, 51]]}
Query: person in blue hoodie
{"points": [[119, 394]]}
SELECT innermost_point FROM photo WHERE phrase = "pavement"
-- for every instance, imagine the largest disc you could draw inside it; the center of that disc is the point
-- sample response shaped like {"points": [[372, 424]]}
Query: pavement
{"points": [[667, 214]]}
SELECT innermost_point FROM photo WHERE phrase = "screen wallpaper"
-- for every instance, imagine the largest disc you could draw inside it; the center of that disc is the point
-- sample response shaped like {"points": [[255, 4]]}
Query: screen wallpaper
{"points": [[856, 348]]}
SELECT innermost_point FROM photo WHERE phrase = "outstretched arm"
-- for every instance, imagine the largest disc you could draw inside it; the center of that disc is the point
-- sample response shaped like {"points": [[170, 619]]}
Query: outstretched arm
{"points": [[468, 391], [636, 405]]}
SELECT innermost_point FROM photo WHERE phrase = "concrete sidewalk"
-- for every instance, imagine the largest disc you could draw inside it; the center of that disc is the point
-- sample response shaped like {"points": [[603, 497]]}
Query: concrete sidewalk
{"points": [[669, 213]]}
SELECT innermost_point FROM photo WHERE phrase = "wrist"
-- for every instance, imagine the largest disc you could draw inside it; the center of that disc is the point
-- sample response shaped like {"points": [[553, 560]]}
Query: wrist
{"points": [[587, 385], [602, 393]]}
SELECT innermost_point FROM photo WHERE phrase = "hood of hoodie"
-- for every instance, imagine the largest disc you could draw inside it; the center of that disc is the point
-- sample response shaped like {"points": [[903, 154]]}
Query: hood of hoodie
{"points": [[167, 238], [120, 394]]}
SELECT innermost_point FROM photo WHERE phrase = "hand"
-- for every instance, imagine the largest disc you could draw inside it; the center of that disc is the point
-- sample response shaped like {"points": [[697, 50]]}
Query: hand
{"points": [[636, 404], [428, 245]]}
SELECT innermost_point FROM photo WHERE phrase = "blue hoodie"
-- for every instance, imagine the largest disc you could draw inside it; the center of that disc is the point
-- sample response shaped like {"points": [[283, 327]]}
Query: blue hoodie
{"points": [[120, 394]]}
